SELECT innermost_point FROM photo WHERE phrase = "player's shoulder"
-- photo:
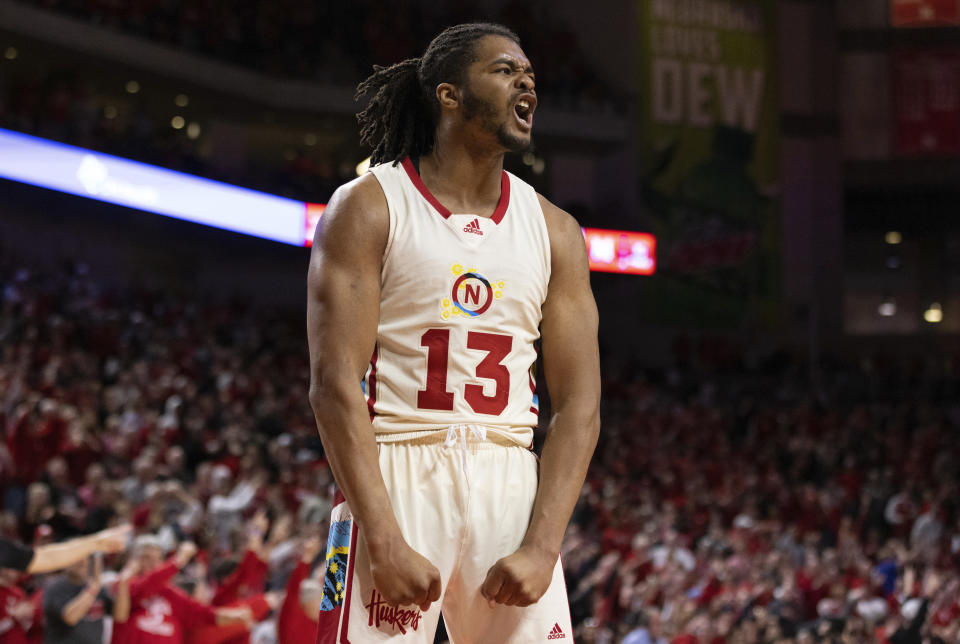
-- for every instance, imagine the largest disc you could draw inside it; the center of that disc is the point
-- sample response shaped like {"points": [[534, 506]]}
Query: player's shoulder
{"points": [[561, 225], [356, 208], [363, 196]]}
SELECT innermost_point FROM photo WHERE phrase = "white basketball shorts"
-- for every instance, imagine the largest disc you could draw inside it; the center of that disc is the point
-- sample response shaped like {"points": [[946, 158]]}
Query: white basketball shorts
{"points": [[463, 504]]}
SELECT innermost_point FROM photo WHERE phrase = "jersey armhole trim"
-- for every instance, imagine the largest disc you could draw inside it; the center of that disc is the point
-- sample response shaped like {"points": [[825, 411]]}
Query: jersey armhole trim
{"points": [[547, 250], [391, 225]]}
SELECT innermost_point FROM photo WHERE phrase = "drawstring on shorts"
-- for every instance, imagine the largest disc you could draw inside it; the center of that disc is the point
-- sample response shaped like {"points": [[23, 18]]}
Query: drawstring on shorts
{"points": [[457, 436]]}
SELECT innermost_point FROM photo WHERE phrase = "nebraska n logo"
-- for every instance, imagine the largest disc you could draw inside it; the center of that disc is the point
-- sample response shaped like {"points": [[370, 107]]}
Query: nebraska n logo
{"points": [[473, 227], [471, 295], [556, 633]]}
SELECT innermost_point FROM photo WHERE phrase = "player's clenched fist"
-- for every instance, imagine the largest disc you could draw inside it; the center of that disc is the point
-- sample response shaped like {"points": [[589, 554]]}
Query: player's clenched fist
{"points": [[402, 575], [519, 579]]}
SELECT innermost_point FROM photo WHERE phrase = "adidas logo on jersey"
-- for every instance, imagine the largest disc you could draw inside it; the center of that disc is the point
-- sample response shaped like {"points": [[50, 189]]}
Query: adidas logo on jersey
{"points": [[556, 633], [473, 227]]}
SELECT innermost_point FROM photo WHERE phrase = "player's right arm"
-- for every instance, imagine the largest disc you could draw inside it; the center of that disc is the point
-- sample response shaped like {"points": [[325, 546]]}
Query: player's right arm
{"points": [[343, 310]]}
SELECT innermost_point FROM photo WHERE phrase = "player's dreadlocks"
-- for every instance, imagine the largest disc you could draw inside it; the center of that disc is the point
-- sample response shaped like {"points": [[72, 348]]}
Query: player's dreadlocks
{"points": [[402, 114]]}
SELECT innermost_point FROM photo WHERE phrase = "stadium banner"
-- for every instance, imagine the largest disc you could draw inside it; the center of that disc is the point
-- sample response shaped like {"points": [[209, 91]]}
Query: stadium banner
{"points": [[709, 157], [926, 87], [924, 13], [620, 251]]}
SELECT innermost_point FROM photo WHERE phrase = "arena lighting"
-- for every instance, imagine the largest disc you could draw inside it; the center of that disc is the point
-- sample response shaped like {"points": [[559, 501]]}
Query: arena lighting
{"points": [[934, 314], [78, 171], [362, 167], [104, 177]]}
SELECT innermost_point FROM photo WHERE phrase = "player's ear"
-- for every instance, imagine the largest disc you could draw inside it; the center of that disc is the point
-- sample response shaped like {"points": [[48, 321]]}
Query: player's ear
{"points": [[449, 96]]}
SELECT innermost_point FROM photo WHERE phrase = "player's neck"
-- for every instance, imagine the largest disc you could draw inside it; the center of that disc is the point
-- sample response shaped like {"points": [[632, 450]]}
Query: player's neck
{"points": [[464, 179]]}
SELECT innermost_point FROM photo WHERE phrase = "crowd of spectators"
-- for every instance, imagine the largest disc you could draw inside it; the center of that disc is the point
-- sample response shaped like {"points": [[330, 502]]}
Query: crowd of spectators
{"points": [[186, 420], [734, 506], [339, 42], [750, 507]]}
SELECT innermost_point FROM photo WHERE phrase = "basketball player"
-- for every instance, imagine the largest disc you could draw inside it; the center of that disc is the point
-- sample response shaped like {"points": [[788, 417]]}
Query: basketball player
{"points": [[431, 278]]}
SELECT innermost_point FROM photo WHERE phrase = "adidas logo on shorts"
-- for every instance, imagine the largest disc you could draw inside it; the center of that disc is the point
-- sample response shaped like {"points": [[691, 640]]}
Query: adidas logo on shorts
{"points": [[473, 227], [556, 633]]}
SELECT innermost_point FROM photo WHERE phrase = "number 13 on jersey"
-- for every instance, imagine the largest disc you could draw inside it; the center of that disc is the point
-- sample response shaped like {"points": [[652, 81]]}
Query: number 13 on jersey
{"points": [[435, 394]]}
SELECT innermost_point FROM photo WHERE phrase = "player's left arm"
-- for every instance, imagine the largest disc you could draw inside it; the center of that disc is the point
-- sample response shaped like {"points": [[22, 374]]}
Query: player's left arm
{"points": [[571, 361]]}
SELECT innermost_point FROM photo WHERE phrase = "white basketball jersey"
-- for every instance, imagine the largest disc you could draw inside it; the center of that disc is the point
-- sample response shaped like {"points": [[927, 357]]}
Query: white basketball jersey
{"points": [[460, 310]]}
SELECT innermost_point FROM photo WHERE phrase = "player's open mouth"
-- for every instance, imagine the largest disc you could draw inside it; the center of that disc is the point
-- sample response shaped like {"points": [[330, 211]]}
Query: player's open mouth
{"points": [[523, 110]]}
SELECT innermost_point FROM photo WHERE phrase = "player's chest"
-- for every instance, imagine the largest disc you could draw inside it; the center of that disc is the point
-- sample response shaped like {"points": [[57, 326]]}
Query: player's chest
{"points": [[437, 268]]}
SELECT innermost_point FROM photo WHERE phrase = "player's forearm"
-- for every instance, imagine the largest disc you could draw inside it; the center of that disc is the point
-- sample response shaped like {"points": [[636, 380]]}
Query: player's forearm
{"points": [[351, 449], [566, 456]]}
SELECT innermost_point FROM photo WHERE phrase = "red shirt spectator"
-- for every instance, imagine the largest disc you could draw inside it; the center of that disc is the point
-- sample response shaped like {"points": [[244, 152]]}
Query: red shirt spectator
{"points": [[161, 613], [298, 619], [247, 580], [20, 620], [236, 633]]}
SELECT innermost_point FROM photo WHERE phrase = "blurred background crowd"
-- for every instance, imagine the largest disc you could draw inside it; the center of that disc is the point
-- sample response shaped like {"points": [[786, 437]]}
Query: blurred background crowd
{"points": [[777, 462], [744, 505], [724, 503], [338, 43], [185, 420], [62, 98]]}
